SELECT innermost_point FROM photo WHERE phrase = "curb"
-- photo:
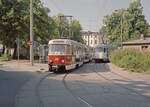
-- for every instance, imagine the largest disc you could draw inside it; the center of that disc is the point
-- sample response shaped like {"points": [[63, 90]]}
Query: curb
{"points": [[112, 67]]}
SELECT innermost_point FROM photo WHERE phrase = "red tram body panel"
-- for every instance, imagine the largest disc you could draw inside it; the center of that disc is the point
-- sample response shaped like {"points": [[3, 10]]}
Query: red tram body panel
{"points": [[60, 59]]}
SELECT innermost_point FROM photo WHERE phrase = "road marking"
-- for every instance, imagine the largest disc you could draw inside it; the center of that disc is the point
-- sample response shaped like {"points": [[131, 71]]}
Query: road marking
{"points": [[85, 102], [78, 98]]}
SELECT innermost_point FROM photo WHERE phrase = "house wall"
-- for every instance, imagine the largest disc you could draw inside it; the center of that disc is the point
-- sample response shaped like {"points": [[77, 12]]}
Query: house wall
{"points": [[139, 47], [95, 38]]}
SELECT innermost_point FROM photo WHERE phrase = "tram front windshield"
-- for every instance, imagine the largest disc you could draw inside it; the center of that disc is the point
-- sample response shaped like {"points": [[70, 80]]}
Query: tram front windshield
{"points": [[57, 49]]}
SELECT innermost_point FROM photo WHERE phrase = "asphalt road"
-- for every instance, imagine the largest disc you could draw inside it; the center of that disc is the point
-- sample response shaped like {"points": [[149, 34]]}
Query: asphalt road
{"points": [[10, 83], [99, 87], [92, 85]]}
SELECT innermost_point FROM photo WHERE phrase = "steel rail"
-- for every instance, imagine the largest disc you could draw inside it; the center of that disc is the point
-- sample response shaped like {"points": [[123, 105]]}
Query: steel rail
{"points": [[40, 102], [112, 81], [70, 91]]}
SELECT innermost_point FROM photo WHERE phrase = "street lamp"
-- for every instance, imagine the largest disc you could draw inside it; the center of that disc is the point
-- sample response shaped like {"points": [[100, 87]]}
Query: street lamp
{"points": [[122, 19], [121, 30], [88, 38]]}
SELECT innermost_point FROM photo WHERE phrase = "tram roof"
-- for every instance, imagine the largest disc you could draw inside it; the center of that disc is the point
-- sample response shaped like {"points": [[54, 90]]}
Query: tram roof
{"points": [[63, 41], [105, 46]]}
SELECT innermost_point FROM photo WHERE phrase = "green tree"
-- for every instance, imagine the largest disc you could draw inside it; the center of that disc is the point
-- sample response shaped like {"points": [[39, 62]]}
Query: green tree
{"points": [[68, 30], [131, 20], [75, 29], [12, 15], [44, 25], [15, 23], [62, 26], [112, 26], [138, 24]]}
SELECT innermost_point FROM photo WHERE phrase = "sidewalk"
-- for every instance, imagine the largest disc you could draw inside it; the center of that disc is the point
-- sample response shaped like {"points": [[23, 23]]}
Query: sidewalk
{"points": [[23, 65]]}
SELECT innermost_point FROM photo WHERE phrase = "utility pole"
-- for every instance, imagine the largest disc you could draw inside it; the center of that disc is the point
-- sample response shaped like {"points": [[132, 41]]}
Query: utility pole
{"points": [[60, 24], [70, 33], [31, 32], [18, 50], [88, 38], [121, 30]]}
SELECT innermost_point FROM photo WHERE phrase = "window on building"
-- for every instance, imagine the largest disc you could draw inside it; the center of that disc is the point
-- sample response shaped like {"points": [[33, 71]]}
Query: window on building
{"points": [[91, 36]]}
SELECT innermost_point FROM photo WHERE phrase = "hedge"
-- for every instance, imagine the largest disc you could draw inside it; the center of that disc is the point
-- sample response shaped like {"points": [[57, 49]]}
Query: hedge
{"points": [[131, 59]]}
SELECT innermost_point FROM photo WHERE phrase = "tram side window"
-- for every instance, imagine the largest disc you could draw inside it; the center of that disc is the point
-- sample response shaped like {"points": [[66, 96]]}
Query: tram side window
{"points": [[78, 50], [73, 50], [68, 49]]}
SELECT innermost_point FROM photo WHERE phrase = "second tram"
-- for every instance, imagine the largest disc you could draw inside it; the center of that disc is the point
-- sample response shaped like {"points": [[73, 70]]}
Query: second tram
{"points": [[101, 53]]}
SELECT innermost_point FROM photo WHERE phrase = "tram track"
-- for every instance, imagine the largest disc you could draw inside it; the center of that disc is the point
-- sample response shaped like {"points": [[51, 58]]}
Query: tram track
{"points": [[65, 86], [79, 98], [122, 86], [39, 99], [72, 93]]}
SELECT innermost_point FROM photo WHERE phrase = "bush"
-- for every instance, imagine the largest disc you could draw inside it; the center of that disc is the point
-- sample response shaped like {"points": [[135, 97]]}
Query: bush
{"points": [[131, 59], [5, 57]]}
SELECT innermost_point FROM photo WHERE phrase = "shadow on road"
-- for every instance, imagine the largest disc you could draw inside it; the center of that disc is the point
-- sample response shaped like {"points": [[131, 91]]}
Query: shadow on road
{"points": [[10, 83]]}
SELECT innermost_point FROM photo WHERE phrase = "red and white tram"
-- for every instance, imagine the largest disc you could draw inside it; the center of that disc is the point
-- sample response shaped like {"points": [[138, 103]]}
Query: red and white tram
{"points": [[88, 53], [65, 54]]}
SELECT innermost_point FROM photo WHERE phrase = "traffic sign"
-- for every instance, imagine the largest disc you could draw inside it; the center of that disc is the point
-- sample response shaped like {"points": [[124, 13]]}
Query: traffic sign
{"points": [[35, 43], [29, 43]]}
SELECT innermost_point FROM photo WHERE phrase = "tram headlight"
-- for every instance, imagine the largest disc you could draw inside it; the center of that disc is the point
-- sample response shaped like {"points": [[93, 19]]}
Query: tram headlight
{"points": [[50, 61], [62, 61]]}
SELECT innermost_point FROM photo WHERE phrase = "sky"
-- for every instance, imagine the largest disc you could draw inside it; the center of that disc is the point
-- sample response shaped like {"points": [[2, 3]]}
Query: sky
{"points": [[90, 13]]}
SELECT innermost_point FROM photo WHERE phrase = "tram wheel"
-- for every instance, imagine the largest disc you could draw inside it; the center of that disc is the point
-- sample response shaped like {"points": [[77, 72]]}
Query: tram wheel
{"points": [[77, 66], [50, 69], [95, 61]]}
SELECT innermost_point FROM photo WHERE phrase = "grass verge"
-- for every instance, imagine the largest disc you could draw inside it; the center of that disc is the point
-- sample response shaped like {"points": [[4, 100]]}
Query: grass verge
{"points": [[5, 57], [132, 60]]}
